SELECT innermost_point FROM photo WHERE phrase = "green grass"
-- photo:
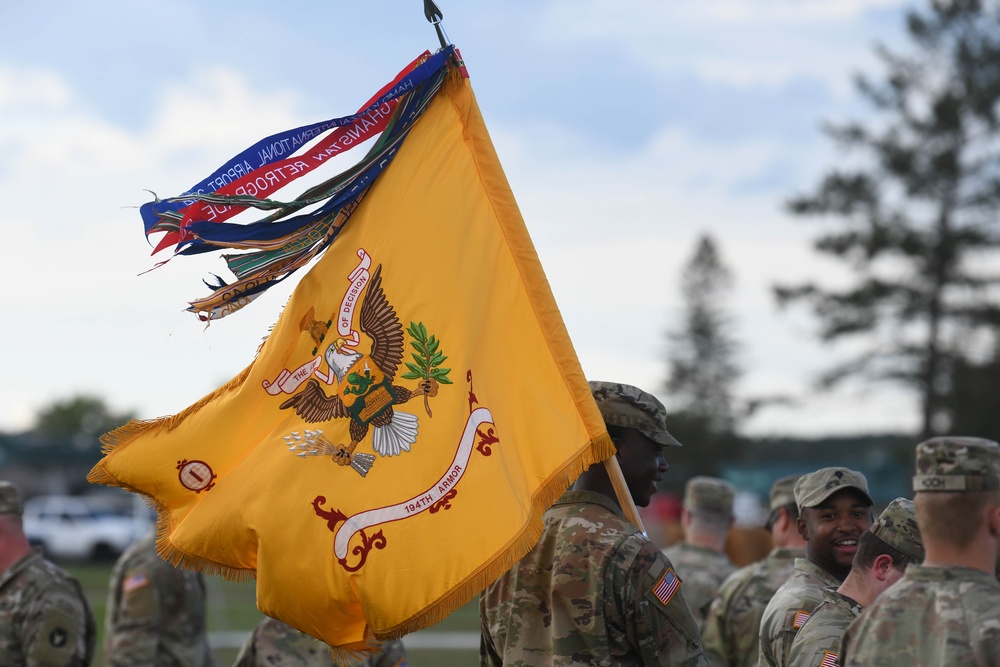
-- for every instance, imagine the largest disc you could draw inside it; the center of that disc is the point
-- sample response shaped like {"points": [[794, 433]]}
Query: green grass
{"points": [[232, 607]]}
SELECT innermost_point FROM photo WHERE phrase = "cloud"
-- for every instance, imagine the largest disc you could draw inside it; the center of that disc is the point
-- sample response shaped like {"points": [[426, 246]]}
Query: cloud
{"points": [[88, 320], [741, 43], [614, 214], [31, 89]]}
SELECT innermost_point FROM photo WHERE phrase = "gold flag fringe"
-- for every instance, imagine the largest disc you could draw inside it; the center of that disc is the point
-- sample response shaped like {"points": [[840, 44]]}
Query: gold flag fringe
{"points": [[122, 436], [598, 450]]}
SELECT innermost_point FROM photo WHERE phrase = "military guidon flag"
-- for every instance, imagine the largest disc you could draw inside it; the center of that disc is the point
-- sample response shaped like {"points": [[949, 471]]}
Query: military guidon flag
{"points": [[418, 404]]}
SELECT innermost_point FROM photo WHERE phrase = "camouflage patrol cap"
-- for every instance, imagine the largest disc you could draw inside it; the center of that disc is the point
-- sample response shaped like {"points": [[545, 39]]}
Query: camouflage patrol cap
{"points": [[783, 491], [897, 527], [814, 488], [10, 499], [630, 407], [955, 463], [709, 493]]}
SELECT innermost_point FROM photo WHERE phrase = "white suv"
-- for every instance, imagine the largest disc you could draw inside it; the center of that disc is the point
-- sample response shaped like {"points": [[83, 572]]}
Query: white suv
{"points": [[82, 527]]}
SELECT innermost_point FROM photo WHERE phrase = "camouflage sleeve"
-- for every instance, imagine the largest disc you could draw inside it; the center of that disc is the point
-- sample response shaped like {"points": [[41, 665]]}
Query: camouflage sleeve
{"points": [[134, 633], [658, 621], [58, 628], [714, 632], [488, 656], [777, 631], [815, 646], [392, 655], [247, 657]]}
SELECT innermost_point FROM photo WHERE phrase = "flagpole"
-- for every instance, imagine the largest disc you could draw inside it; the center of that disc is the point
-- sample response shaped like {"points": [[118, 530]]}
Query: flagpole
{"points": [[624, 495], [434, 15]]}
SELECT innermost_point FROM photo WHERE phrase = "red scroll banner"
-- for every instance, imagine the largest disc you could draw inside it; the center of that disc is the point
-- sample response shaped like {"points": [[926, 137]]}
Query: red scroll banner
{"points": [[262, 182]]}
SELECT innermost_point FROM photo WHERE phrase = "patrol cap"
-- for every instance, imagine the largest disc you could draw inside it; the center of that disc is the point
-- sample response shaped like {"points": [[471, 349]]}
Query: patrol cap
{"points": [[897, 527], [10, 499], [814, 488], [630, 407], [783, 491], [709, 493], [956, 463]]}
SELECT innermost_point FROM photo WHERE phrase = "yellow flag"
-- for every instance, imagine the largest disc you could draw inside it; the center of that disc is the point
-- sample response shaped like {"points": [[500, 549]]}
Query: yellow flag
{"points": [[415, 410]]}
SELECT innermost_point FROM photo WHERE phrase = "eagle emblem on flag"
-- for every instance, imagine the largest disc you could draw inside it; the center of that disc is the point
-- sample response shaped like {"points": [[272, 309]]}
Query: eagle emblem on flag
{"points": [[363, 388]]}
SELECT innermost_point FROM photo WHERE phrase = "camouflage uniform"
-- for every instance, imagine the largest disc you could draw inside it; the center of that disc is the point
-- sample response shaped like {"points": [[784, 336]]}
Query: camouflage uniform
{"points": [[703, 570], [933, 616], [156, 612], [944, 615], [45, 619], [819, 638], [276, 644], [730, 634], [593, 590], [789, 609], [803, 592], [818, 642]]}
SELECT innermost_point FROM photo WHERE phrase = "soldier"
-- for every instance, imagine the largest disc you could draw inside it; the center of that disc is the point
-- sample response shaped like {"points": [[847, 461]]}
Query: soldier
{"points": [[156, 612], [276, 644], [594, 589], [884, 553], [834, 510], [700, 559], [45, 619], [731, 631], [946, 611]]}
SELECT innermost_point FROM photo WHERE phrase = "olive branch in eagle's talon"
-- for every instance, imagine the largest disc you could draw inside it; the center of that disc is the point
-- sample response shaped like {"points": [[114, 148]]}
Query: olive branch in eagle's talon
{"points": [[428, 359]]}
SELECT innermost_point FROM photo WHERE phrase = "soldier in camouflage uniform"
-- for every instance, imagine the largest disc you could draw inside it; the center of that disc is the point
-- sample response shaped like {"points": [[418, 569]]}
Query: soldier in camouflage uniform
{"points": [[884, 553], [156, 612], [45, 619], [731, 631], [700, 559], [276, 644], [946, 611], [834, 510], [594, 589]]}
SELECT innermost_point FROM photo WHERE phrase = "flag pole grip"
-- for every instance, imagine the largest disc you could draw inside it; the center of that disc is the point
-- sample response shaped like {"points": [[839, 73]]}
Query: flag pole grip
{"points": [[624, 495]]}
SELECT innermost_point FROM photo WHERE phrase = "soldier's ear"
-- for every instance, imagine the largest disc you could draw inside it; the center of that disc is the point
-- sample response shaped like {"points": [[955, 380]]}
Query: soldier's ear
{"points": [[800, 523], [993, 517], [883, 563]]}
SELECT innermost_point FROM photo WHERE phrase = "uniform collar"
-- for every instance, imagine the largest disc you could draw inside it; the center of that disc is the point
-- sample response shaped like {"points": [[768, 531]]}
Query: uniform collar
{"points": [[591, 497], [787, 553], [20, 566], [846, 603], [808, 567]]}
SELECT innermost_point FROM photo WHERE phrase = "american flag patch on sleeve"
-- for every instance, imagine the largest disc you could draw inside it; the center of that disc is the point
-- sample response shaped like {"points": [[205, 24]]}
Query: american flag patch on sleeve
{"points": [[666, 586], [132, 582], [801, 616], [829, 660]]}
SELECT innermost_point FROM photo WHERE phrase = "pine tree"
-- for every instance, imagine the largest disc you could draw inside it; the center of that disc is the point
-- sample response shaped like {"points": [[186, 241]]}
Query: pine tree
{"points": [[917, 214], [702, 369]]}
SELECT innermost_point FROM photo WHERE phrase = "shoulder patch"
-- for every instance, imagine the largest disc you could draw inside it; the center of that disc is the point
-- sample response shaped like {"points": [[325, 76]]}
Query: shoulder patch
{"points": [[58, 637], [667, 586], [801, 616], [829, 660], [135, 582]]}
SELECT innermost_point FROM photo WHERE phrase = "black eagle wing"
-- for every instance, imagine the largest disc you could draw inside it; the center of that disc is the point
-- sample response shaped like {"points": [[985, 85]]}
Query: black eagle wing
{"points": [[313, 405], [380, 323]]}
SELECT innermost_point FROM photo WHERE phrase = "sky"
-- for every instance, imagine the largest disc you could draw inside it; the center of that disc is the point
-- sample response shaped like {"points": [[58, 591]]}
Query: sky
{"points": [[626, 130]]}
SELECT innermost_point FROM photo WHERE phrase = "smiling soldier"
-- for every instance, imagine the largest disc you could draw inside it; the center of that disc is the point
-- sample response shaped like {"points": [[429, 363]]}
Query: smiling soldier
{"points": [[834, 510]]}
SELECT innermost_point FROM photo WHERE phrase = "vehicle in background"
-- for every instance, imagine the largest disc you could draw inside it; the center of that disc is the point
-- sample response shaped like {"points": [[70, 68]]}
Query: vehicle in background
{"points": [[85, 527]]}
